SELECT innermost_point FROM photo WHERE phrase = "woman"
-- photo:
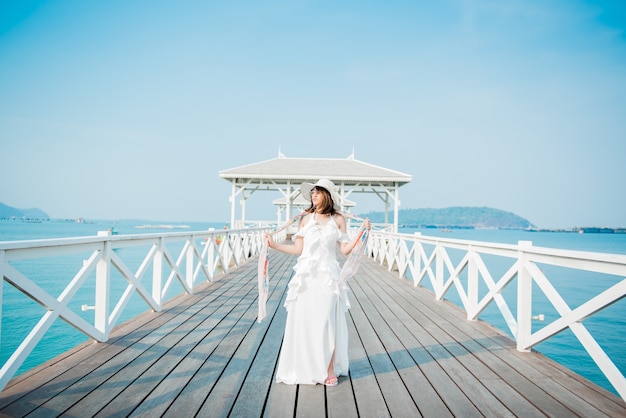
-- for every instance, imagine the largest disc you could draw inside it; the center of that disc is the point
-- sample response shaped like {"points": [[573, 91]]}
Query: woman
{"points": [[315, 344]]}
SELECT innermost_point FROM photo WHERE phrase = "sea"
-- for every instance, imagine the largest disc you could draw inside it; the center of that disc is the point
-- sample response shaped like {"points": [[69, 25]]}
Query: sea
{"points": [[608, 327]]}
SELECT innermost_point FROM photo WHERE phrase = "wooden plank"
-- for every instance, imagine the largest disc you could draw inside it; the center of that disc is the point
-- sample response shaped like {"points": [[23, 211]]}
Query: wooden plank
{"points": [[391, 385], [232, 331], [251, 400], [105, 360], [157, 402], [606, 402], [42, 382], [340, 400], [167, 389], [222, 395], [195, 393], [367, 394], [434, 364], [281, 400], [540, 389], [198, 331], [464, 369], [412, 309], [311, 401], [409, 355], [527, 389], [417, 384], [57, 365], [141, 360], [221, 399]]}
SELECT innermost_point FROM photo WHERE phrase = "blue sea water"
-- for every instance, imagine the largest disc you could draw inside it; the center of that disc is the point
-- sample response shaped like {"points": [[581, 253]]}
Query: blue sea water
{"points": [[575, 287]]}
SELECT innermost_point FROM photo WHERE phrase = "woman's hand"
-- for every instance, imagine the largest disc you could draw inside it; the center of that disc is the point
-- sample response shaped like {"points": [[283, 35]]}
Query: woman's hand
{"points": [[368, 224], [269, 240]]}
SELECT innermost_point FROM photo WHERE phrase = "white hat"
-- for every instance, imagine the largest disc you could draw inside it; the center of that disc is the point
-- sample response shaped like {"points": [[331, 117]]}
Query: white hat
{"points": [[305, 190]]}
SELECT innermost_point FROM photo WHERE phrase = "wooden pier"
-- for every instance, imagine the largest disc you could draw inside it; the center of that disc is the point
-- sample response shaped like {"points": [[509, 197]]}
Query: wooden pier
{"points": [[205, 355]]}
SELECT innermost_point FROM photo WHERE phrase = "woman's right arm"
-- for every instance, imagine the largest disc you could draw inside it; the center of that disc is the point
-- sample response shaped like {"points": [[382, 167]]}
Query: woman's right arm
{"points": [[295, 248]]}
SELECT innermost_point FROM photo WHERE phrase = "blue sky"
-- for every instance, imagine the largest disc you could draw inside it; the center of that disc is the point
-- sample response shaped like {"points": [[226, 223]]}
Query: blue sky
{"points": [[129, 109]]}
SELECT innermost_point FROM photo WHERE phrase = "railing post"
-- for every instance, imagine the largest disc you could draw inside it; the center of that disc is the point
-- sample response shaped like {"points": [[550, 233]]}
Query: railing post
{"points": [[417, 258], [189, 265], [224, 253], [391, 253], [439, 271], [472, 284], [211, 257], [102, 295], [157, 274], [524, 299], [210, 254], [383, 248], [401, 257], [238, 249]]}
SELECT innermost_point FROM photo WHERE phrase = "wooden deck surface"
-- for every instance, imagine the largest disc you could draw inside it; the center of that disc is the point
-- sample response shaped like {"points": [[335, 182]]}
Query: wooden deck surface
{"points": [[206, 356]]}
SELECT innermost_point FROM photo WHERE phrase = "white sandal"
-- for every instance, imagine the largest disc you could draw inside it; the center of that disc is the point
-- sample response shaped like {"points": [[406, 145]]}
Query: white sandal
{"points": [[331, 381]]}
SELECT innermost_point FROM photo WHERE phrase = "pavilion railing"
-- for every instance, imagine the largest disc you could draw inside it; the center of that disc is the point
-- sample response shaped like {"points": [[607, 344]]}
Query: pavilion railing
{"points": [[461, 265]]}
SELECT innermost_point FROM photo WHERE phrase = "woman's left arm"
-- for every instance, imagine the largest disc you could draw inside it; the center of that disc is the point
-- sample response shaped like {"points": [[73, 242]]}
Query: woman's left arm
{"points": [[347, 246]]}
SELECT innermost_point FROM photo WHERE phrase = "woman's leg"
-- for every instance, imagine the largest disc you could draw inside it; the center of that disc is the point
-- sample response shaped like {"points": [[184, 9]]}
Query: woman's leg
{"points": [[331, 365], [331, 380]]}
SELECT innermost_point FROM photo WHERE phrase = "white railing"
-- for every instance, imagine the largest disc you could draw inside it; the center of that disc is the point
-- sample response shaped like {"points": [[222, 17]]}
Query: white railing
{"points": [[98, 265], [419, 257]]}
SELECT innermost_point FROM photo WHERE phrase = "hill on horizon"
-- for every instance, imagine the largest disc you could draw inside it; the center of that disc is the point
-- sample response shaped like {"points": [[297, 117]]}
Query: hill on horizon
{"points": [[455, 217], [7, 211]]}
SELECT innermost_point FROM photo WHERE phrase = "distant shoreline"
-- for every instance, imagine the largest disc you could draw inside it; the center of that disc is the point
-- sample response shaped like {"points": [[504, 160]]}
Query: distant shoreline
{"points": [[577, 230], [583, 230]]}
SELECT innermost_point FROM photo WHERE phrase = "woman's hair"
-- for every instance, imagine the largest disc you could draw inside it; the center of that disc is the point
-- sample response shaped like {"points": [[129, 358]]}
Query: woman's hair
{"points": [[326, 204]]}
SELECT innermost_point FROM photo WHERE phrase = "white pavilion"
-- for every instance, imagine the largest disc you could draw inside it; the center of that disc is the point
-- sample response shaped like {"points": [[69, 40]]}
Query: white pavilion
{"points": [[284, 175]]}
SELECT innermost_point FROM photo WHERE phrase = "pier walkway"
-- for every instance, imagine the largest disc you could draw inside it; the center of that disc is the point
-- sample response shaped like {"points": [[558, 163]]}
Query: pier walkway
{"points": [[205, 355]]}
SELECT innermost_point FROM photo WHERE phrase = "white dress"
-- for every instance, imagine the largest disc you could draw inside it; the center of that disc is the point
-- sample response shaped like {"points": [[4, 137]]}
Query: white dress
{"points": [[316, 323]]}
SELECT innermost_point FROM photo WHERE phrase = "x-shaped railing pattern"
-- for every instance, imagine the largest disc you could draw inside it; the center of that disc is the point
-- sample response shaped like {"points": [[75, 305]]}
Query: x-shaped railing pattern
{"points": [[203, 256], [184, 258], [419, 257]]}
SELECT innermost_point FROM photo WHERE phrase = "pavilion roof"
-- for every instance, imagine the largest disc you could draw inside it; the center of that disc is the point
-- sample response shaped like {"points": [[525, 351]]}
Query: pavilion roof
{"points": [[346, 171]]}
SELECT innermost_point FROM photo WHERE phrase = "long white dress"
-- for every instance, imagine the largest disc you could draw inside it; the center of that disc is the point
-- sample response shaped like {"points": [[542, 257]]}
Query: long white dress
{"points": [[316, 307]]}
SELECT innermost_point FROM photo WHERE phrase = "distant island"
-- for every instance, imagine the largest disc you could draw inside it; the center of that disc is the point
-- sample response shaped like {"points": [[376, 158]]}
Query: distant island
{"points": [[7, 212], [464, 217], [456, 217]]}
